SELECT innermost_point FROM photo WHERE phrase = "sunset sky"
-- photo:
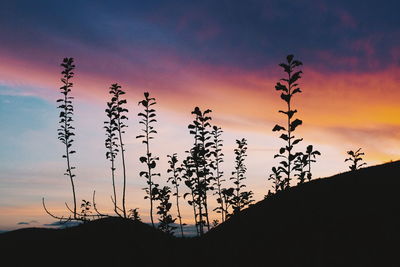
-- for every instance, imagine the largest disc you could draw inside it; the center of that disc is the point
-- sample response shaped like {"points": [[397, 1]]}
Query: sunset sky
{"points": [[221, 55]]}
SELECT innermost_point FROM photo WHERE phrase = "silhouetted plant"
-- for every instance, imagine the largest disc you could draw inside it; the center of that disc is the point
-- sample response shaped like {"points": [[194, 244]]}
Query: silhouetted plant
{"points": [[200, 154], [241, 199], [165, 221], [276, 178], [66, 130], [289, 89], [228, 195], [216, 151], [355, 159], [311, 155], [112, 132], [269, 194], [119, 117], [190, 180], [215, 223], [85, 210], [147, 119], [175, 179], [133, 214], [300, 164]]}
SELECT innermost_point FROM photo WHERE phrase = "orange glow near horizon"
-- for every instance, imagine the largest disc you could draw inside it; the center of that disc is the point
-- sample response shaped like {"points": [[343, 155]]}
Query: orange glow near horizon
{"points": [[341, 111]]}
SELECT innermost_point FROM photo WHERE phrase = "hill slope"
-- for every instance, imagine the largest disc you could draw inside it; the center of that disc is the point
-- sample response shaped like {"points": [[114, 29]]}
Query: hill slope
{"points": [[350, 219], [109, 241]]}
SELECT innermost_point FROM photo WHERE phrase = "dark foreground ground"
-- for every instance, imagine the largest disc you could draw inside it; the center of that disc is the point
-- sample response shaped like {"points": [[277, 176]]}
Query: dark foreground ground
{"points": [[351, 219]]}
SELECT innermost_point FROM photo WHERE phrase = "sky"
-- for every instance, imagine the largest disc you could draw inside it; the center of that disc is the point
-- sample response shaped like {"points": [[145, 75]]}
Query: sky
{"points": [[221, 55]]}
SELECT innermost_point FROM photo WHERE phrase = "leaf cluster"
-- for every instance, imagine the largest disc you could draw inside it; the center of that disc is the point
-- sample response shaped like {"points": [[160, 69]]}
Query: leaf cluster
{"points": [[147, 119], [117, 107], [133, 214], [228, 195], [300, 165], [240, 167], [277, 179], [174, 170], [201, 153], [311, 156], [355, 159], [163, 209], [66, 130], [216, 152], [115, 114], [86, 210], [193, 179], [241, 199]]}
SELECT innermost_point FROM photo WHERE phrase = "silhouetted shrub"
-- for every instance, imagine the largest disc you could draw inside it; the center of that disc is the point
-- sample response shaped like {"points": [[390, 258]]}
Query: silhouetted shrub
{"points": [[276, 178], [199, 159], [215, 223], [311, 155], [216, 151], [241, 199], [66, 130], [288, 89], [119, 118], [175, 179], [300, 164], [112, 133], [228, 194], [165, 221], [147, 120], [355, 159], [86, 210], [133, 214], [189, 178]]}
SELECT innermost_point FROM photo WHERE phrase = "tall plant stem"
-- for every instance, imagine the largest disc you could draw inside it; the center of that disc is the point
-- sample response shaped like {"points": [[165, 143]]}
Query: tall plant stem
{"points": [[205, 179], [72, 182], [177, 208], [113, 184], [123, 167], [201, 230], [149, 168], [289, 135], [238, 190], [67, 151], [194, 212], [219, 191], [206, 210]]}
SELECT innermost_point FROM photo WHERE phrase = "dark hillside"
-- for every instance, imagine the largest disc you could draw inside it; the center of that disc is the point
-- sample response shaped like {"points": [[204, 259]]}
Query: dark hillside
{"points": [[350, 219], [110, 241]]}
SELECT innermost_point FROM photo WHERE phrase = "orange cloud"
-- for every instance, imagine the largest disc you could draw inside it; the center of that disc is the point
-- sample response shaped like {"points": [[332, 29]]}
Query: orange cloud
{"points": [[240, 98]]}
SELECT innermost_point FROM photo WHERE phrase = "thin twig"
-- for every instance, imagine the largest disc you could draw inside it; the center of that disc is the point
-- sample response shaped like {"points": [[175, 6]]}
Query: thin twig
{"points": [[54, 216], [121, 210], [95, 208]]}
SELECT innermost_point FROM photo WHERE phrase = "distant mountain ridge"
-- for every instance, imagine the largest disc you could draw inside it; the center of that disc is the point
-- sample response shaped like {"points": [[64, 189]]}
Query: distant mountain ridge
{"points": [[349, 219]]}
